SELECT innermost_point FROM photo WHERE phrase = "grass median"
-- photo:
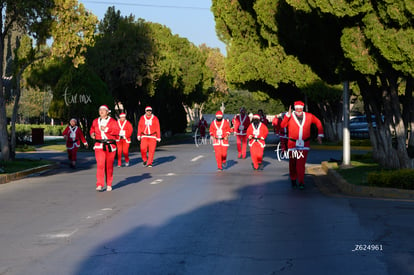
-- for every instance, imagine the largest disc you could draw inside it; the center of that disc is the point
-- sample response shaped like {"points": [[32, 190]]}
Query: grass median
{"points": [[18, 165]]}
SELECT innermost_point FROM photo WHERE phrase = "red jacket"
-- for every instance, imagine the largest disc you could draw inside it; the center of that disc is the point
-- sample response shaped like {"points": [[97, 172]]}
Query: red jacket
{"points": [[220, 131], [281, 131], [149, 127], [241, 124], [299, 134], [111, 131], [258, 134], [125, 130], [73, 136]]}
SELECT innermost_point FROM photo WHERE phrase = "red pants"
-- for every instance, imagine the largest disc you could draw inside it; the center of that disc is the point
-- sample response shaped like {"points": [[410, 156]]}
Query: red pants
{"points": [[105, 163], [122, 146], [297, 161], [256, 152], [241, 145], [284, 144], [72, 153], [148, 146], [221, 155]]}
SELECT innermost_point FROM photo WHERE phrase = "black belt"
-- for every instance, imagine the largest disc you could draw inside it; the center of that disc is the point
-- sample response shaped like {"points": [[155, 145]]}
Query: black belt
{"points": [[106, 143], [148, 135], [292, 139]]}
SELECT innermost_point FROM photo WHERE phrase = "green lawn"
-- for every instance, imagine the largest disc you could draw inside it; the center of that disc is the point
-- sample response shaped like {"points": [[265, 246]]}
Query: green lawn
{"points": [[20, 165], [358, 174]]}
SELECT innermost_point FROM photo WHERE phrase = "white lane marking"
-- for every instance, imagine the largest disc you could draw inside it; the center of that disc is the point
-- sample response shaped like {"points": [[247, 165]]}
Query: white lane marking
{"points": [[156, 181], [197, 158], [60, 235], [171, 174], [106, 209]]}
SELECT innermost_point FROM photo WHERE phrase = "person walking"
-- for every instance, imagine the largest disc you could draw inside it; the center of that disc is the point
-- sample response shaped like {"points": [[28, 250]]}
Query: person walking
{"points": [[202, 126], [241, 122], [280, 132], [73, 136], [219, 132], [105, 132], [124, 140], [257, 133], [148, 133], [299, 124]]}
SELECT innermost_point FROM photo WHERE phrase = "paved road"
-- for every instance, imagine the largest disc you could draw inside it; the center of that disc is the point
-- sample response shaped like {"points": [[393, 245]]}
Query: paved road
{"points": [[184, 217]]}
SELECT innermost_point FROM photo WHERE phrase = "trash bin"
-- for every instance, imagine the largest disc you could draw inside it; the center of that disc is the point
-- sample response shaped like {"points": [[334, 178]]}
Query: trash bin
{"points": [[37, 136]]}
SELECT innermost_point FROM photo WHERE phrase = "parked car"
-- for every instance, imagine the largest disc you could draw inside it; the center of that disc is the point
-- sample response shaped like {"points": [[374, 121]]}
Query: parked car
{"points": [[358, 126]]}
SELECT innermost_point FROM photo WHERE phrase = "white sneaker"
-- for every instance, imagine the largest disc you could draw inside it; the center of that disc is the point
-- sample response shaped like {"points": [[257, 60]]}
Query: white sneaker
{"points": [[109, 188], [126, 164], [99, 188]]}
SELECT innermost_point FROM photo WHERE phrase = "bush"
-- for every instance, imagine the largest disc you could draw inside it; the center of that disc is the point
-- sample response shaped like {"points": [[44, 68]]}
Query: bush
{"points": [[403, 179], [24, 131]]}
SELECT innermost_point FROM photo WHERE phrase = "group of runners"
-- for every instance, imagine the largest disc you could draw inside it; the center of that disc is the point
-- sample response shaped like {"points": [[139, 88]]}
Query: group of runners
{"points": [[292, 127], [111, 136]]}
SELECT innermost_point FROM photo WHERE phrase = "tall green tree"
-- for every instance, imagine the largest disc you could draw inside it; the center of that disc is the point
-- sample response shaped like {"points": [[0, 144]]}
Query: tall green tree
{"points": [[69, 25]]}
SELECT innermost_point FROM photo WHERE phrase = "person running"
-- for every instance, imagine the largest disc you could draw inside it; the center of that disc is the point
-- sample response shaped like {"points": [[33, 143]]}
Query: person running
{"points": [[299, 124], [73, 136], [105, 132], [202, 126], [257, 133], [241, 123], [281, 132], [124, 140], [148, 133], [219, 132]]}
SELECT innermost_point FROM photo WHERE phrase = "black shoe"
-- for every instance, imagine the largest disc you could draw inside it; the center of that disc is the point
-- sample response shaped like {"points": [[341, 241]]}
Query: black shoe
{"points": [[224, 164], [301, 186], [144, 163], [260, 166], [219, 169], [294, 185]]}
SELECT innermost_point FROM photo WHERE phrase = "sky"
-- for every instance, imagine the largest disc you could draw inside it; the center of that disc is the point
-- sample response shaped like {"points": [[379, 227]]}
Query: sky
{"points": [[192, 19]]}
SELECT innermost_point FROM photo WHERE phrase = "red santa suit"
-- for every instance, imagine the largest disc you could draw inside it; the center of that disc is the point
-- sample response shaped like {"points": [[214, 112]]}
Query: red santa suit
{"points": [[148, 133], [281, 132], [241, 123], [299, 141], [257, 135], [220, 131], [124, 140], [105, 149], [202, 126], [73, 136]]}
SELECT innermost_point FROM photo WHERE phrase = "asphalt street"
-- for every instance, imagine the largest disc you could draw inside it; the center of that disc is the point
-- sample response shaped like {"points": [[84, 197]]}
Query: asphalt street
{"points": [[182, 216]]}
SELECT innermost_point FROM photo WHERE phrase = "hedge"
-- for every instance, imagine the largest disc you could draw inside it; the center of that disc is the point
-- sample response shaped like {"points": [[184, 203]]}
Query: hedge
{"points": [[403, 179], [23, 131]]}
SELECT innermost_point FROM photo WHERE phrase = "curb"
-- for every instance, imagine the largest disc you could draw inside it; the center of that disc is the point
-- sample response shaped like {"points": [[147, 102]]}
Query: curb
{"points": [[22, 174], [346, 188]]}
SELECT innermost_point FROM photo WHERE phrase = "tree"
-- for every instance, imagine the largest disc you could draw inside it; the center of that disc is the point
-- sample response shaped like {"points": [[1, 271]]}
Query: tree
{"points": [[68, 23], [323, 42]]}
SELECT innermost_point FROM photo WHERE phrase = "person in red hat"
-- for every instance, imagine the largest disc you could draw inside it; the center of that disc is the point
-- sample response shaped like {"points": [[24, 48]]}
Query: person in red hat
{"points": [[105, 132], [148, 133], [281, 132], [257, 133], [124, 140], [202, 126], [219, 132], [241, 122], [73, 136], [299, 127]]}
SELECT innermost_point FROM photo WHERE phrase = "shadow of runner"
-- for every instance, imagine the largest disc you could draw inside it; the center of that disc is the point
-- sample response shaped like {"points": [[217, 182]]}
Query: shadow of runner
{"points": [[161, 160], [131, 180]]}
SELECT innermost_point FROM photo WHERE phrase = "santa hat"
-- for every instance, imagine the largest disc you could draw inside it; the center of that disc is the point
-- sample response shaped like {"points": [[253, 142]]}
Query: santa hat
{"points": [[256, 116], [299, 104], [104, 107], [148, 108], [122, 115], [219, 114]]}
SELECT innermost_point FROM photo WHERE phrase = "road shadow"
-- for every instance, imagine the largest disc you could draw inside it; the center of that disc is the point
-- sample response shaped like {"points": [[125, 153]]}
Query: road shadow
{"points": [[162, 160], [202, 240], [230, 163], [131, 180]]}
